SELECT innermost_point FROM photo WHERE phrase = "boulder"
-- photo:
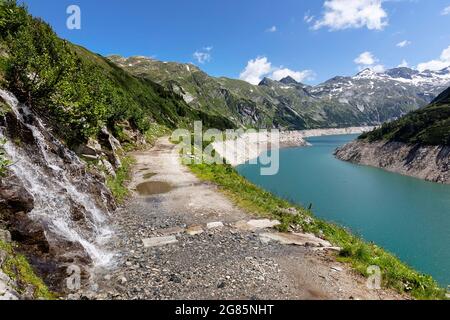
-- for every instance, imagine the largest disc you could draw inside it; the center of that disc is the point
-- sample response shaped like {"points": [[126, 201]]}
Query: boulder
{"points": [[13, 195], [112, 146], [18, 131], [109, 141], [92, 148], [5, 236], [109, 167], [28, 233], [131, 134], [194, 230]]}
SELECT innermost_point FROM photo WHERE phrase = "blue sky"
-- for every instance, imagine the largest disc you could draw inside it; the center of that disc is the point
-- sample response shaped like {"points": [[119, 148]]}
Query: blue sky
{"points": [[312, 40]]}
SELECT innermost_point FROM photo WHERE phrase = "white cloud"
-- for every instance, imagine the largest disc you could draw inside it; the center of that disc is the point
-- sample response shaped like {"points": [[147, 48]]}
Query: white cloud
{"points": [[308, 18], [272, 29], [255, 70], [368, 60], [261, 67], [446, 11], [404, 64], [346, 14], [204, 55], [365, 58], [437, 64], [403, 44], [298, 76], [379, 68]]}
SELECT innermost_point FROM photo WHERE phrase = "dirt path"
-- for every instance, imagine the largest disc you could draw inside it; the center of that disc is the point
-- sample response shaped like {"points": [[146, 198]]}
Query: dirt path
{"points": [[221, 262]]}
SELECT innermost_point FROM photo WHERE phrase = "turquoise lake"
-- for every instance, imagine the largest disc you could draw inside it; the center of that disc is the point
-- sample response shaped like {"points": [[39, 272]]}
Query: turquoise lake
{"points": [[407, 216]]}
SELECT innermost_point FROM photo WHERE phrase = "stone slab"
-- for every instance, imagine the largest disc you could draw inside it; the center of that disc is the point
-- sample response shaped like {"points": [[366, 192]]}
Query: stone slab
{"points": [[159, 241], [298, 239], [214, 225]]}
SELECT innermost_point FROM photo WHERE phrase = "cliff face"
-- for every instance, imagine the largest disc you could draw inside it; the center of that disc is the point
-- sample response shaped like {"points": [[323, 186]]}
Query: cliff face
{"points": [[431, 163]]}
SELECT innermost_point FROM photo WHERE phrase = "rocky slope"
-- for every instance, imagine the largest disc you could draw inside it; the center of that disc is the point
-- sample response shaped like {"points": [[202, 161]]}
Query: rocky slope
{"points": [[55, 205], [367, 98], [417, 144], [431, 163]]}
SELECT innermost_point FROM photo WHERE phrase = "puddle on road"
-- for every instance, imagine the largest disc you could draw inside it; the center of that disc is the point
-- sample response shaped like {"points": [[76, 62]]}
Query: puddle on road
{"points": [[153, 187], [149, 175]]}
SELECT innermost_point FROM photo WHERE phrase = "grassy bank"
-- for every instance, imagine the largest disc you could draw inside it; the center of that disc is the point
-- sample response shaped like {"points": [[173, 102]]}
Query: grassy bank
{"points": [[118, 184], [18, 269], [355, 251]]}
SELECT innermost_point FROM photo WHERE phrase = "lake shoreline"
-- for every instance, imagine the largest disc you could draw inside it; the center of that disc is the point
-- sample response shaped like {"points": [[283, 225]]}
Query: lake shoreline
{"points": [[245, 148], [429, 163], [380, 206]]}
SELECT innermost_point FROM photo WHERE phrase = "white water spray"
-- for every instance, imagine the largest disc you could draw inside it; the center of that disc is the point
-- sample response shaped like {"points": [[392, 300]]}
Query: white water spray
{"points": [[53, 192]]}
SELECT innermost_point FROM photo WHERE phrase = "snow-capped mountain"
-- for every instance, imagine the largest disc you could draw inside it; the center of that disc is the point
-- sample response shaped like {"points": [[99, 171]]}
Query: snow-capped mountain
{"points": [[407, 75], [368, 98], [426, 83], [389, 94]]}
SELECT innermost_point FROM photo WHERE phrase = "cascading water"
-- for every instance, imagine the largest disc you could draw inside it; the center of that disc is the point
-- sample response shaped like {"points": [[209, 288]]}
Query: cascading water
{"points": [[57, 190]]}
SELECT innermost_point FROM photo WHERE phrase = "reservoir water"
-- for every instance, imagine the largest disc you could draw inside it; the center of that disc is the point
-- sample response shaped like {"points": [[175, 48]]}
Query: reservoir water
{"points": [[407, 216]]}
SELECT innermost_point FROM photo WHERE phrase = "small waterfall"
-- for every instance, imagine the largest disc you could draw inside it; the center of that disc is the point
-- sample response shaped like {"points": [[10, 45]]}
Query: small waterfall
{"points": [[58, 186]]}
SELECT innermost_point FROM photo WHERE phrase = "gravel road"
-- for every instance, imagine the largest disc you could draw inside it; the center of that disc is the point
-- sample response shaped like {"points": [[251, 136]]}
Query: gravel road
{"points": [[185, 258]]}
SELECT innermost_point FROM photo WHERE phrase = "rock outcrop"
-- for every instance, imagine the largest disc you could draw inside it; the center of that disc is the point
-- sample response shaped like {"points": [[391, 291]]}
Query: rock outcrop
{"points": [[7, 285], [431, 163], [54, 204]]}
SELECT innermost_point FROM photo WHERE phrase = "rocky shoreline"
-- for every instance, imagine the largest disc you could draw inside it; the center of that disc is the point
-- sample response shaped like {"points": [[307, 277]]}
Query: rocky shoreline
{"points": [[246, 148], [431, 163]]}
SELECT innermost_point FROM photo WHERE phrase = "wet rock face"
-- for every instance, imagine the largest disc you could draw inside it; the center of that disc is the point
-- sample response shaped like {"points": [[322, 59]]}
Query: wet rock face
{"points": [[13, 196], [17, 131], [54, 205], [90, 181]]}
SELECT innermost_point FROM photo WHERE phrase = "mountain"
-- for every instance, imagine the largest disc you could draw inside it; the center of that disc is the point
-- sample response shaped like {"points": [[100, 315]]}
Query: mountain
{"points": [[368, 98], [427, 126], [417, 145]]}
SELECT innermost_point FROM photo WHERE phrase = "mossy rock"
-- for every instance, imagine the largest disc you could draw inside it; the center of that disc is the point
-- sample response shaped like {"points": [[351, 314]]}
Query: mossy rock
{"points": [[4, 107], [17, 268]]}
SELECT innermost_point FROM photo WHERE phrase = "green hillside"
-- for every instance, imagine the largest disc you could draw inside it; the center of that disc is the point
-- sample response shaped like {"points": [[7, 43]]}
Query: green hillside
{"points": [[427, 126], [285, 104], [78, 92], [271, 104]]}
